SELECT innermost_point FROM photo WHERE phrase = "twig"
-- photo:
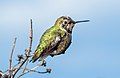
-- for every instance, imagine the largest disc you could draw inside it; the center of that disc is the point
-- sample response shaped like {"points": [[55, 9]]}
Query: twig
{"points": [[25, 66], [31, 37], [11, 55], [33, 70], [30, 45], [23, 61], [27, 52]]}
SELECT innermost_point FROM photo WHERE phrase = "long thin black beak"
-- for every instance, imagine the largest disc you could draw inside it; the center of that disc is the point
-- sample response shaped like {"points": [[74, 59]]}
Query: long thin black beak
{"points": [[82, 21]]}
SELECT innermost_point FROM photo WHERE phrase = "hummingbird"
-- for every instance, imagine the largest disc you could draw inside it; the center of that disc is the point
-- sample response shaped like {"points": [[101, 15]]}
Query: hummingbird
{"points": [[56, 39]]}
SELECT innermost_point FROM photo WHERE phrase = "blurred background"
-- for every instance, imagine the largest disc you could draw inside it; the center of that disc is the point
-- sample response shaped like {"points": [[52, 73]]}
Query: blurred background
{"points": [[95, 49]]}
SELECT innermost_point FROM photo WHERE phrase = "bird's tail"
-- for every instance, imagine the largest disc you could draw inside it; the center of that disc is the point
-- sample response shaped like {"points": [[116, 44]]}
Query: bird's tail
{"points": [[35, 56]]}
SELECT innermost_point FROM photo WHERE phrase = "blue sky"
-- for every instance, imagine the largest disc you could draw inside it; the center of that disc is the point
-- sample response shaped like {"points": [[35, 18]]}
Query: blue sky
{"points": [[95, 49]]}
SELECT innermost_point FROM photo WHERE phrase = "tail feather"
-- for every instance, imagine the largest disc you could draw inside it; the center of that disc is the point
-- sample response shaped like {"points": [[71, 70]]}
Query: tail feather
{"points": [[35, 57]]}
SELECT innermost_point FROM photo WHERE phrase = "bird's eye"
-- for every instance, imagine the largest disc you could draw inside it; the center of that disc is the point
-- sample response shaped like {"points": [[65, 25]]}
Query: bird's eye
{"points": [[65, 22]]}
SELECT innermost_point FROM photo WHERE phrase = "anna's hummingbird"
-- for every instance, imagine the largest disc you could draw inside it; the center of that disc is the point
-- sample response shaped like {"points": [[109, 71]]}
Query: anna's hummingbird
{"points": [[56, 39]]}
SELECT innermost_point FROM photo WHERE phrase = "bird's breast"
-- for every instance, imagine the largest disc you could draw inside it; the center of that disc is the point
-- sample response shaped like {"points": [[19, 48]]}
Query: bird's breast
{"points": [[64, 44]]}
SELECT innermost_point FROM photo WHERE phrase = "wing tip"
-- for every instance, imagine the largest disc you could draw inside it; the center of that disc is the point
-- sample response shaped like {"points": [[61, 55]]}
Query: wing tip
{"points": [[33, 60]]}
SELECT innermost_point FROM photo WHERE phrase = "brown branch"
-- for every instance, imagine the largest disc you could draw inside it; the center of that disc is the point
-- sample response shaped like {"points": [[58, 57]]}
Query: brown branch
{"points": [[34, 70], [23, 61], [30, 45], [27, 51], [25, 66], [31, 37], [11, 55]]}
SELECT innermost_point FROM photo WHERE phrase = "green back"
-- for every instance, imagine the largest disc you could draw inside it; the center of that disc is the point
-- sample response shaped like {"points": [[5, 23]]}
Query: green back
{"points": [[47, 38]]}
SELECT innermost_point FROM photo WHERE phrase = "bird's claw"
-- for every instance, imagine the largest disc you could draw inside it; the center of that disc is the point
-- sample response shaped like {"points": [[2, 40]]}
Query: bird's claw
{"points": [[51, 55], [43, 63]]}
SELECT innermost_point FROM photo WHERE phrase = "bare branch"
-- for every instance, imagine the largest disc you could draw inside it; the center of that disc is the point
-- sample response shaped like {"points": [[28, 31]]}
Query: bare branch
{"points": [[23, 61], [31, 36], [27, 51], [34, 70], [30, 45], [11, 55], [25, 66]]}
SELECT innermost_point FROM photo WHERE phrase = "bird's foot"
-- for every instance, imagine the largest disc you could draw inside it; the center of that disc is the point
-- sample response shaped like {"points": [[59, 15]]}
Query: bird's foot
{"points": [[43, 63], [63, 52], [51, 55]]}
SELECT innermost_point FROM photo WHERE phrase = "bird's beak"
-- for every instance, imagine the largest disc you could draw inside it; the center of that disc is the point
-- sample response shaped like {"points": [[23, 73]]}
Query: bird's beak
{"points": [[81, 21]]}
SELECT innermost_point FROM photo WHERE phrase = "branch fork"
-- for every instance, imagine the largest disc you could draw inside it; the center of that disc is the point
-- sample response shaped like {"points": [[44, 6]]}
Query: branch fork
{"points": [[23, 61]]}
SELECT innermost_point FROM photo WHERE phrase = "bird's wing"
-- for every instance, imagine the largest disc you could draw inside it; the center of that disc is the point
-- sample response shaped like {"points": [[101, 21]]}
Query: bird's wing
{"points": [[48, 42]]}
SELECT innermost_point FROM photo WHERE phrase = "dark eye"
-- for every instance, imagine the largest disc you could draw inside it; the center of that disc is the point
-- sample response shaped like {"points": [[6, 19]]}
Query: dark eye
{"points": [[65, 22]]}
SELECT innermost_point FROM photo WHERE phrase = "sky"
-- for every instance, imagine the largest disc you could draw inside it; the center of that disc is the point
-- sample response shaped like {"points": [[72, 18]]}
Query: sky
{"points": [[95, 48]]}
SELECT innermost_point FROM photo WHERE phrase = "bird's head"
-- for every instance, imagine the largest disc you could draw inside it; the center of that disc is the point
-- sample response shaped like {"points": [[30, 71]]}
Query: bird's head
{"points": [[67, 23]]}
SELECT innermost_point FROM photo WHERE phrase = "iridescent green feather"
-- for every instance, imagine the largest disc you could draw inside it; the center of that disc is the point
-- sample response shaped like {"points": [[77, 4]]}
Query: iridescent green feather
{"points": [[57, 39], [45, 42]]}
